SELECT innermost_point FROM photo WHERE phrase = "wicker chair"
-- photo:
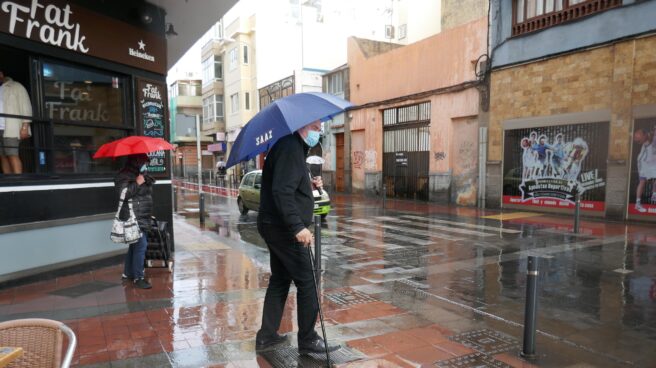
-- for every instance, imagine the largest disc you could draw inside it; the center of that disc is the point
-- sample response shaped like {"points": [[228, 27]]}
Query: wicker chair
{"points": [[42, 341]]}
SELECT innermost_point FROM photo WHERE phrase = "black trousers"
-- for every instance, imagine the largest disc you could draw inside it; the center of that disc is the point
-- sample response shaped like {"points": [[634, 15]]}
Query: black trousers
{"points": [[289, 262]]}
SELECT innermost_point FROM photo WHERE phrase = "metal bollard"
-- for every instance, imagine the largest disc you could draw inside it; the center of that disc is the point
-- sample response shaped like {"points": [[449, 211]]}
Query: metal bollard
{"points": [[528, 348], [175, 199], [577, 213], [317, 248], [201, 208], [384, 194]]}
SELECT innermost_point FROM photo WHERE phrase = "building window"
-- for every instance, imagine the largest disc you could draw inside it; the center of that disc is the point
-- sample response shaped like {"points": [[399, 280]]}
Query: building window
{"points": [[403, 31], [218, 103], [247, 101], [212, 69], [208, 109], [533, 15], [218, 67], [234, 103], [245, 54], [335, 84], [188, 88], [233, 58], [212, 108]]}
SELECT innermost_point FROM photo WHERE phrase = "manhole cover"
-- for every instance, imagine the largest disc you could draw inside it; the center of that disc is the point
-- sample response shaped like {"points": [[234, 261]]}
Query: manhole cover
{"points": [[349, 297], [287, 357], [474, 360], [486, 341], [84, 289]]}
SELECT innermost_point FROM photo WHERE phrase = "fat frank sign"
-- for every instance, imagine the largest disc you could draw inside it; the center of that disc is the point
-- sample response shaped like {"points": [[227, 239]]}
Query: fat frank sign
{"points": [[61, 24], [548, 166]]}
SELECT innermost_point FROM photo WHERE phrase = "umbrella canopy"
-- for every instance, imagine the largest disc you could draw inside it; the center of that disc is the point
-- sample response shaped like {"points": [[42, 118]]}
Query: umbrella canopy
{"points": [[283, 117], [132, 145]]}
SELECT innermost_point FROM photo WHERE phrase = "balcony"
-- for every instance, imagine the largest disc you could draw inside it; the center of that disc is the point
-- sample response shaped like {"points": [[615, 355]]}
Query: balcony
{"points": [[569, 13]]}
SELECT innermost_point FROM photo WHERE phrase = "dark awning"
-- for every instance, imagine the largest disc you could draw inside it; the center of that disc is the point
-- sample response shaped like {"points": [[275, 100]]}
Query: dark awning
{"points": [[190, 19]]}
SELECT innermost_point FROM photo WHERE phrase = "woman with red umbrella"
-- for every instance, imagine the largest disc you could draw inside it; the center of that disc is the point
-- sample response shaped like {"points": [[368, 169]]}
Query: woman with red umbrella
{"points": [[139, 186]]}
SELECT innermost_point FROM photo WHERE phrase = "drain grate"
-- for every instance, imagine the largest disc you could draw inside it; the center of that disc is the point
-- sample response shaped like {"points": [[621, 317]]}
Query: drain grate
{"points": [[474, 360], [287, 357], [349, 297], [486, 341], [84, 289]]}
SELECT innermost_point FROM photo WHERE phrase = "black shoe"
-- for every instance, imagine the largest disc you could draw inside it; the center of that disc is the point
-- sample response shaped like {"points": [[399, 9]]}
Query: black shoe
{"points": [[316, 346], [263, 344], [142, 284]]}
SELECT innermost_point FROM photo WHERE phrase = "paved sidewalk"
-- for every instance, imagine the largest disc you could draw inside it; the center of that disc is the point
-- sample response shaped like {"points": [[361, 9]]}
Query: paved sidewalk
{"points": [[413, 285]]}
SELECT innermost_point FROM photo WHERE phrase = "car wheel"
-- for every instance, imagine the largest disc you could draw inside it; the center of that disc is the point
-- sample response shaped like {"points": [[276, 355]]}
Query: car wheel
{"points": [[242, 207]]}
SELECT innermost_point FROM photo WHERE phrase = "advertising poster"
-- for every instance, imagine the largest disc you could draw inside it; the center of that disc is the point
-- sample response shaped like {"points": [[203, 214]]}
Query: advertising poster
{"points": [[152, 114], [547, 166], [642, 190]]}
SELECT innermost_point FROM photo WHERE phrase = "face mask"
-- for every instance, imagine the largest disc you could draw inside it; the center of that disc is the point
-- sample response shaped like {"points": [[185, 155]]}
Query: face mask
{"points": [[143, 168], [312, 138]]}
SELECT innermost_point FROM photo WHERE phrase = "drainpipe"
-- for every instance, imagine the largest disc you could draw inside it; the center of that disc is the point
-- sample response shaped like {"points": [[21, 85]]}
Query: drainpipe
{"points": [[482, 160]]}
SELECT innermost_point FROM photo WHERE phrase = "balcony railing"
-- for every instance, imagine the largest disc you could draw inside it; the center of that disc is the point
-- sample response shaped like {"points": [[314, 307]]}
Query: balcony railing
{"points": [[570, 13]]}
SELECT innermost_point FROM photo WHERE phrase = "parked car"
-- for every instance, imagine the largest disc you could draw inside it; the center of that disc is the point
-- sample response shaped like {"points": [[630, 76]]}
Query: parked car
{"points": [[249, 195]]}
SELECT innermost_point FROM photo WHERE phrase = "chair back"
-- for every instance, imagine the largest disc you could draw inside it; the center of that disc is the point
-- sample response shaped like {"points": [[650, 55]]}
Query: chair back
{"points": [[41, 340]]}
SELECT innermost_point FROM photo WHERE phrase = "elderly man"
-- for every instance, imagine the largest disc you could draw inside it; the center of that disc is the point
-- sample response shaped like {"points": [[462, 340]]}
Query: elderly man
{"points": [[286, 208], [14, 100]]}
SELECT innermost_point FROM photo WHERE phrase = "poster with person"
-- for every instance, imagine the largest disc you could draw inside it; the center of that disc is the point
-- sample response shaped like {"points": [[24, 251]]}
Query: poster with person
{"points": [[642, 190], [548, 166]]}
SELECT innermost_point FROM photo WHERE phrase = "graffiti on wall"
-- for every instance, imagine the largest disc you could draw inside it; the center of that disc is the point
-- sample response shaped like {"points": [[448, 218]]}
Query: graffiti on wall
{"points": [[440, 156], [358, 159]]}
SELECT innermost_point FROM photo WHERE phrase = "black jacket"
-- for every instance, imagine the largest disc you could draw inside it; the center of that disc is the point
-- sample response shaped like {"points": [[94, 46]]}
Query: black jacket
{"points": [[286, 196], [141, 195]]}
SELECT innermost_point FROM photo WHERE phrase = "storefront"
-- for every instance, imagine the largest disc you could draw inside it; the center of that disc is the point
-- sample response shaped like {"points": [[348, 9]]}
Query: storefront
{"points": [[80, 78]]}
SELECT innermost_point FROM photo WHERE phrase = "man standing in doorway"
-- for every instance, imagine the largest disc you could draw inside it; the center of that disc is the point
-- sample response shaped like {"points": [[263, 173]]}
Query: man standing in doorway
{"points": [[646, 165], [14, 100], [286, 209]]}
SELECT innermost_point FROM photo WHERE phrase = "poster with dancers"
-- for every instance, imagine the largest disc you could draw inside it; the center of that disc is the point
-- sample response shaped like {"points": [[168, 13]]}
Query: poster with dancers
{"points": [[548, 166], [642, 188]]}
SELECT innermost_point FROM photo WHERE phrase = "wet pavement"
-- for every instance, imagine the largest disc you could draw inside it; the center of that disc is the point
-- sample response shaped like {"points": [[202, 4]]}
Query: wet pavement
{"points": [[411, 285]]}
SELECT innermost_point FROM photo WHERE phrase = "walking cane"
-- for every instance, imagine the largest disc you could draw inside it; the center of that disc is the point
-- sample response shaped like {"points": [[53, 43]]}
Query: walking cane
{"points": [[316, 287]]}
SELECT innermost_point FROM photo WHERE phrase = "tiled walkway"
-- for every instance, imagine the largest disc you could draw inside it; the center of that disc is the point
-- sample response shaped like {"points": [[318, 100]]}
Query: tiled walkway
{"points": [[414, 285]]}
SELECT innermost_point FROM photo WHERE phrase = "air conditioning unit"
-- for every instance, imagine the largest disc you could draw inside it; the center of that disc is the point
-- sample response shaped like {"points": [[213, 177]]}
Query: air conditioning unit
{"points": [[389, 31]]}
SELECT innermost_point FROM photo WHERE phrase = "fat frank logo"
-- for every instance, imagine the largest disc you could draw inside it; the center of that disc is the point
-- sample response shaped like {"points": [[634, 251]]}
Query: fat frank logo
{"points": [[264, 138], [151, 92], [55, 27], [141, 52]]}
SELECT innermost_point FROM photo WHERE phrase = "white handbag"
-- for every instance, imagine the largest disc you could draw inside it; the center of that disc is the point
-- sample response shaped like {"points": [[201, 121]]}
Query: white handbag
{"points": [[127, 231]]}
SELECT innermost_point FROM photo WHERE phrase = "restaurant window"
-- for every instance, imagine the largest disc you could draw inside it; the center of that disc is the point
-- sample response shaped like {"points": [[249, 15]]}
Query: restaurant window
{"points": [[83, 109]]}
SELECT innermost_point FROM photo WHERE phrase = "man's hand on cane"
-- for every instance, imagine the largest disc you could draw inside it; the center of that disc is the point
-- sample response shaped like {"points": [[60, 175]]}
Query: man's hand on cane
{"points": [[305, 237]]}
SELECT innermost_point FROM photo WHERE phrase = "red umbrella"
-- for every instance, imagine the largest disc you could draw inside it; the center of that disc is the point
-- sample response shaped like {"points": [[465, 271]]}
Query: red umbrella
{"points": [[132, 145]]}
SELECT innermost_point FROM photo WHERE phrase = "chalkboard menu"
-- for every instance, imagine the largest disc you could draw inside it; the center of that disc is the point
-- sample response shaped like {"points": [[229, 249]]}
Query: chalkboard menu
{"points": [[152, 115]]}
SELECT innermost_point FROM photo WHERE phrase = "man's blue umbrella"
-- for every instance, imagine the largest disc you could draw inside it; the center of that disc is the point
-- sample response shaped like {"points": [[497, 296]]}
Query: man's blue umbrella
{"points": [[283, 117]]}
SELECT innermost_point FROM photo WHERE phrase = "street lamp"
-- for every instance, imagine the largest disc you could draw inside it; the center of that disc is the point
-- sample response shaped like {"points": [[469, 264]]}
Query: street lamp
{"points": [[201, 195]]}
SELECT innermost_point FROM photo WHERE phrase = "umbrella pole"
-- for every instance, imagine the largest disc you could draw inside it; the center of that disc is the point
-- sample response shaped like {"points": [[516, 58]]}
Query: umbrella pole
{"points": [[316, 287]]}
